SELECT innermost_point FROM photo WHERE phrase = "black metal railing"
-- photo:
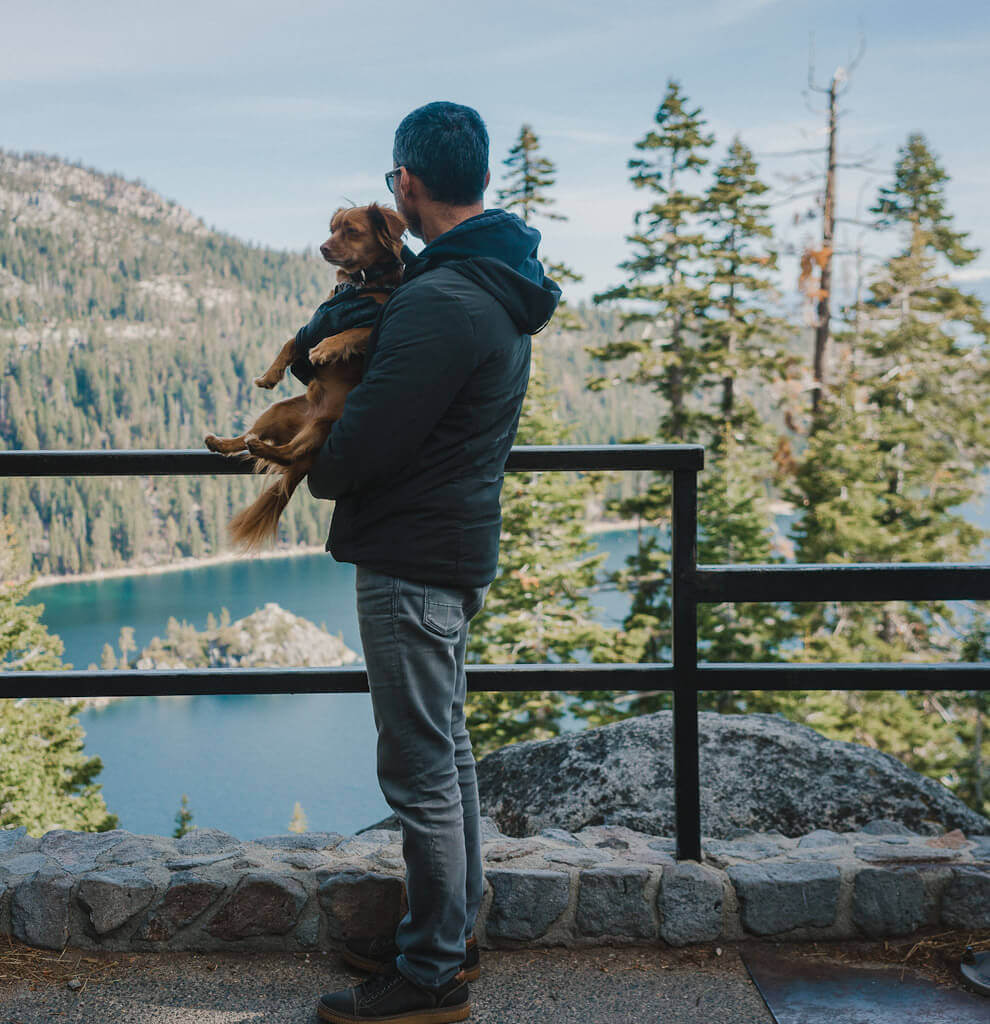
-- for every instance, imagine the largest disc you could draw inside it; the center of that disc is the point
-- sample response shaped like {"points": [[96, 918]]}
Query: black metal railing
{"points": [[691, 585]]}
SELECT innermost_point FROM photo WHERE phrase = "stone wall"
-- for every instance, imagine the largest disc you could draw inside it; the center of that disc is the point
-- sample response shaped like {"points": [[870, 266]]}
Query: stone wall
{"points": [[602, 885]]}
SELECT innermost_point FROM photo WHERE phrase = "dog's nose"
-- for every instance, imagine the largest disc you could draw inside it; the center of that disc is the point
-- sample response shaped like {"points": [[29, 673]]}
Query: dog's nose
{"points": [[325, 250]]}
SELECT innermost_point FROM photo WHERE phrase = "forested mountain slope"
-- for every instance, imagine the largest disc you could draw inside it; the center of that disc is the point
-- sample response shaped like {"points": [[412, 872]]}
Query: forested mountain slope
{"points": [[125, 322]]}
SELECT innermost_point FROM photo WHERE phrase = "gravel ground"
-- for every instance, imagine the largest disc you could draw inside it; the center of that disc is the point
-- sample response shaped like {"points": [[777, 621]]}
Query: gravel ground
{"points": [[591, 986]]}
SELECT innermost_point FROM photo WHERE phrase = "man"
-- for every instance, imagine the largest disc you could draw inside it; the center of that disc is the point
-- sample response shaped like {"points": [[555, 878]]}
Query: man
{"points": [[416, 465]]}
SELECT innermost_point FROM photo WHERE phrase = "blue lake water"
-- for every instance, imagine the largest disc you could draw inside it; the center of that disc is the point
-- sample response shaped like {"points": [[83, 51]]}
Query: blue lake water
{"points": [[243, 761]]}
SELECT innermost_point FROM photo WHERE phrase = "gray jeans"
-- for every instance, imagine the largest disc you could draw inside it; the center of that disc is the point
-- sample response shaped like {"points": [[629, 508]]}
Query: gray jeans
{"points": [[414, 637]]}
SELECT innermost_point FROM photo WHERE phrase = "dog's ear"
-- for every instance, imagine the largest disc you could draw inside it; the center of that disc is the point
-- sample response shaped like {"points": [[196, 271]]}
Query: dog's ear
{"points": [[388, 227]]}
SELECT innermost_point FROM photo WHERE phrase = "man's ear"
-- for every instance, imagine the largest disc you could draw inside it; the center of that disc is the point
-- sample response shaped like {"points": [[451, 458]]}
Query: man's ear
{"points": [[388, 227]]}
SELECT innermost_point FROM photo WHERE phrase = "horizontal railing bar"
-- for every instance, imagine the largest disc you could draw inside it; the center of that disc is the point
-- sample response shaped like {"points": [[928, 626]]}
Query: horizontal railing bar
{"points": [[501, 678], [342, 679], [867, 676], [882, 581], [194, 461]]}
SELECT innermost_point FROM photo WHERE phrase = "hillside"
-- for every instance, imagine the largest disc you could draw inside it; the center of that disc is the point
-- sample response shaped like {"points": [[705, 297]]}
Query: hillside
{"points": [[125, 322]]}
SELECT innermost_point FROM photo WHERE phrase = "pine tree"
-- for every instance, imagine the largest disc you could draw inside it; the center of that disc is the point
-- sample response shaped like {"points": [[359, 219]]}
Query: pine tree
{"points": [[537, 608], [299, 822], [46, 779], [529, 177], [183, 818], [698, 284], [904, 439], [664, 299], [742, 340]]}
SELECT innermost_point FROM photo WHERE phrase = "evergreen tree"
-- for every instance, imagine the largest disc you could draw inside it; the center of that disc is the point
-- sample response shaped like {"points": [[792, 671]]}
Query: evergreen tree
{"points": [[664, 300], [529, 176], [537, 608], [299, 823], [46, 779], [183, 818], [698, 284], [902, 442]]}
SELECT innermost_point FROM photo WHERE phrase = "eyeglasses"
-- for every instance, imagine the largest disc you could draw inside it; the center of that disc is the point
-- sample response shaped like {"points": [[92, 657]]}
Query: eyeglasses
{"points": [[390, 179]]}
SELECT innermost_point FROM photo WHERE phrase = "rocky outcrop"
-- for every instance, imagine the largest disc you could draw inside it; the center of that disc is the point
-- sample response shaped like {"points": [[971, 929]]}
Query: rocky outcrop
{"points": [[758, 772], [268, 637]]}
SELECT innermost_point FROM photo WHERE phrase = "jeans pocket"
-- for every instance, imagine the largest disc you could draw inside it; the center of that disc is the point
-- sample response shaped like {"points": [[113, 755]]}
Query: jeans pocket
{"points": [[443, 610]]}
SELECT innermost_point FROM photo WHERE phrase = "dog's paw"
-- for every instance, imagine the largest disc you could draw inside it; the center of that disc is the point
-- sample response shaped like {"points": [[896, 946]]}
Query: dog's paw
{"points": [[267, 381], [212, 442]]}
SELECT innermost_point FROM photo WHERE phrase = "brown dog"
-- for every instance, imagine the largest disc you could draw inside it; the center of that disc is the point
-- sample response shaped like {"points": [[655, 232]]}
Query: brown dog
{"points": [[364, 244]]}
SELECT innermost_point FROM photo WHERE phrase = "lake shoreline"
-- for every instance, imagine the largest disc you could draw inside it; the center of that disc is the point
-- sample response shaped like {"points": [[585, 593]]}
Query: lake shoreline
{"points": [[596, 527]]}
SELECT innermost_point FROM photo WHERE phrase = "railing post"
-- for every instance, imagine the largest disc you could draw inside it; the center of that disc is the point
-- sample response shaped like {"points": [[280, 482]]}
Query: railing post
{"points": [[684, 569]]}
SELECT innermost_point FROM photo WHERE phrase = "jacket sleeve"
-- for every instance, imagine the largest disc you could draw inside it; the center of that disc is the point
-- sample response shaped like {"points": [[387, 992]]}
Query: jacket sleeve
{"points": [[424, 355]]}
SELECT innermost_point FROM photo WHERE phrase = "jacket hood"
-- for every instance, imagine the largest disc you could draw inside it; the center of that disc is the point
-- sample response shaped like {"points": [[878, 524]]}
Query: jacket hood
{"points": [[497, 250]]}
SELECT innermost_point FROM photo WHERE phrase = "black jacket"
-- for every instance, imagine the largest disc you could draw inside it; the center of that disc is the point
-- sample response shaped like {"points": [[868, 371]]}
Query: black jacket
{"points": [[416, 462], [346, 308]]}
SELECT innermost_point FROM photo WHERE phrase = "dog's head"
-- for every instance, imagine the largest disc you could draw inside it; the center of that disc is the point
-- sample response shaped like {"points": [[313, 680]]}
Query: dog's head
{"points": [[363, 237]]}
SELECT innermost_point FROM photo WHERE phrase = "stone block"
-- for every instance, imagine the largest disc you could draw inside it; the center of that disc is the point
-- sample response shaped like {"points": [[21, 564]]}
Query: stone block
{"points": [[115, 896], [76, 852], [577, 858], [14, 841], [361, 904], [264, 903], [561, 835], [40, 909], [203, 860], [489, 829], [690, 904], [821, 837], [207, 840], [777, 897], [886, 827], [302, 860], [883, 853], [301, 841], [611, 902], [509, 849], [136, 848], [26, 864], [186, 898], [887, 902], [755, 848], [525, 902], [966, 900]]}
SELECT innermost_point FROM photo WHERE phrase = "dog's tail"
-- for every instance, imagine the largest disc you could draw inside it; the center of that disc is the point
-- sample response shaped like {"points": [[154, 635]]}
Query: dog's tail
{"points": [[258, 523]]}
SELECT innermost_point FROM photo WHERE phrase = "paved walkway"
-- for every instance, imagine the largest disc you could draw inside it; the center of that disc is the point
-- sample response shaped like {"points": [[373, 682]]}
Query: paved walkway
{"points": [[557, 986]]}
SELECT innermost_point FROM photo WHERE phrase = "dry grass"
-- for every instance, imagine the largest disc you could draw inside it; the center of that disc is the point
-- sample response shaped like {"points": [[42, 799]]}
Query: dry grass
{"points": [[935, 956], [37, 968]]}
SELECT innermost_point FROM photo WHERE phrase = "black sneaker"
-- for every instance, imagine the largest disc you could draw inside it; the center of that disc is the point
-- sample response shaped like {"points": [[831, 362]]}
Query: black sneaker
{"points": [[378, 955], [392, 997]]}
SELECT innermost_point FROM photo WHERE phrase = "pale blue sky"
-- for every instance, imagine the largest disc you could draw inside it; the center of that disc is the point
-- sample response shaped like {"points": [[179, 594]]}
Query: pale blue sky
{"points": [[262, 117]]}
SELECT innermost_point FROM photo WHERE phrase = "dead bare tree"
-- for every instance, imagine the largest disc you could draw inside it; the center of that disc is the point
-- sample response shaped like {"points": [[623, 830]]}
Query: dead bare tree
{"points": [[822, 256]]}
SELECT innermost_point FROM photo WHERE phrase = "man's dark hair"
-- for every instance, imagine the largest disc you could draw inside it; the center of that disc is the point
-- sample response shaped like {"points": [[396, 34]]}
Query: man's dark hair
{"points": [[446, 146]]}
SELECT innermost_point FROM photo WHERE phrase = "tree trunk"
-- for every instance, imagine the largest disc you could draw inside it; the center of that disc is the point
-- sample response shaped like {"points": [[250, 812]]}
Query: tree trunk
{"points": [[823, 326]]}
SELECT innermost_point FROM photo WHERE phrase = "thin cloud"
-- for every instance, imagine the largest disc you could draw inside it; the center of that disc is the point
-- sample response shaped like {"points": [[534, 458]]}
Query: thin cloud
{"points": [[970, 274]]}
